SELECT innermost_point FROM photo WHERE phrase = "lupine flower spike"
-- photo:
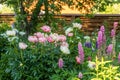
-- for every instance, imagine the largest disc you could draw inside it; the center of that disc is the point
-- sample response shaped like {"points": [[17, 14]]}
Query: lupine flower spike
{"points": [[81, 52], [60, 63]]}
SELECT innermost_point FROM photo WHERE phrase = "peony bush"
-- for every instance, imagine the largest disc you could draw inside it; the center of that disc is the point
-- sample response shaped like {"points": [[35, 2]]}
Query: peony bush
{"points": [[46, 55]]}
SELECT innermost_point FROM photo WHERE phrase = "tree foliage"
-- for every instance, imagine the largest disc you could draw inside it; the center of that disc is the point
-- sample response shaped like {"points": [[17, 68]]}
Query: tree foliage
{"points": [[24, 8]]}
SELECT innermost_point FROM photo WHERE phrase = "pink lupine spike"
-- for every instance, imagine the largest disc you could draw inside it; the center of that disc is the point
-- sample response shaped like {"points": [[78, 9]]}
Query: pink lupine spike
{"points": [[102, 28], [112, 33], [100, 39], [115, 25], [81, 52], [60, 63], [109, 49]]}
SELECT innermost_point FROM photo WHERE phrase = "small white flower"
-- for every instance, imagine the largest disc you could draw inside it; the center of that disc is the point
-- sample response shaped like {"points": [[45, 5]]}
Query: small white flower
{"points": [[22, 45], [68, 30], [22, 33], [10, 33], [91, 65], [77, 25], [65, 49]]}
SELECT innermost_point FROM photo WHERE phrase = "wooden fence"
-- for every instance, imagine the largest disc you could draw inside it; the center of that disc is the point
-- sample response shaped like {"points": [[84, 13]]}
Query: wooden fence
{"points": [[89, 24]]}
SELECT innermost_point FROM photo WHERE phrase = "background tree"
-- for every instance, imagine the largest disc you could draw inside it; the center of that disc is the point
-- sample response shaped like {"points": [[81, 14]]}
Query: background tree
{"points": [[24, 8]]}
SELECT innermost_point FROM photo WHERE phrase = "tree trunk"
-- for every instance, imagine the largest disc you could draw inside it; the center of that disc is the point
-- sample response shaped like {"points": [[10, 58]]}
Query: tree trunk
{"points": [[34, 16]]}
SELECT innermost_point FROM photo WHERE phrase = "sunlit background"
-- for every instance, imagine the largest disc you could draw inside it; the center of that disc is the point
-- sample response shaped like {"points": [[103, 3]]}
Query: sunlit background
{"points": [[110, 9]]}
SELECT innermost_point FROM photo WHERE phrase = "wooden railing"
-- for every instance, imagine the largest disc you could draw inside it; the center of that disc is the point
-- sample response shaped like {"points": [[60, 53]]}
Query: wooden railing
{"points": [[89, 24]]}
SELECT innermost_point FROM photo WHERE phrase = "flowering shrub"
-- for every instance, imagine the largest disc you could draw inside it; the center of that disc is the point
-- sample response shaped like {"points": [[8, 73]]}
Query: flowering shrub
{"points": [[46, 55]]}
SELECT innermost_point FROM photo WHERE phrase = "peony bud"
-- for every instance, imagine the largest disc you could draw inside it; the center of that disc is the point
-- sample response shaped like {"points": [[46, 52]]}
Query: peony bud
{"points": [[78, 59], [89, 58]]}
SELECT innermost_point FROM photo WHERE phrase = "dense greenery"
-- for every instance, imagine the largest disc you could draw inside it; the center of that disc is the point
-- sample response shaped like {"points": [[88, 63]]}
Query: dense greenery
{"points": [[47, 55]]}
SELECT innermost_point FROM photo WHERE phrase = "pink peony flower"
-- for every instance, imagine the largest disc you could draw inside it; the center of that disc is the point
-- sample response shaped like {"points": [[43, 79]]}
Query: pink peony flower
{"points": [[70, 34], [62, 38], [32, 39], [80, 75], [109, 49], [115, 25], [50, 39], [46, 28], [39, 34], [81, 52], [119, 58], [42, 39], [78, 60], [112, 33], [60, 63], [22, 45]]}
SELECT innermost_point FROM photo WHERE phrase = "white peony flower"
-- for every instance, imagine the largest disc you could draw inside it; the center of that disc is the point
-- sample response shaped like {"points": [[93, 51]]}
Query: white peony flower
{"points": [[65, 49], [68, 30], [91, 65], [22, 45], [10, 33], [54, 36], [77, 25]]}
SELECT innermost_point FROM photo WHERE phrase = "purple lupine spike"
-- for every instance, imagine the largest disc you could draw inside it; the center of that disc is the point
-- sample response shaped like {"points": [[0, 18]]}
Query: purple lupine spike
{"points": [[119, 58], [60, 63], [99, 39], [112, 33], [80, 51], [102, 28]]}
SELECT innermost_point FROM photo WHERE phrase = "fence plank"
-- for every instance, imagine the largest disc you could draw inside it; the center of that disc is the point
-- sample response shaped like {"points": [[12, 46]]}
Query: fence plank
{"points": [[89, 24]]}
